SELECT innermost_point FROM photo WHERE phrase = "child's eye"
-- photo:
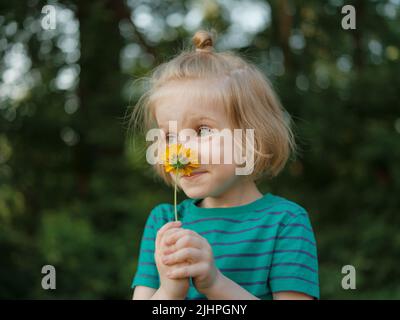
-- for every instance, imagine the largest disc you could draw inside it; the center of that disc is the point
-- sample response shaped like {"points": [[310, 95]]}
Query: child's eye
{"points": [[204, 131]]}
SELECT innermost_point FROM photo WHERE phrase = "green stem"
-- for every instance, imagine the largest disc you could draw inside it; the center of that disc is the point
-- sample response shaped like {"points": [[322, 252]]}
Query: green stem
{"points": [[176, 182]]}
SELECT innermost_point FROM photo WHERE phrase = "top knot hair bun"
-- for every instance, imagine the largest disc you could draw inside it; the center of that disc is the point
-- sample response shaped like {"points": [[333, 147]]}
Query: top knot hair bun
{"points": [[203, 41]]}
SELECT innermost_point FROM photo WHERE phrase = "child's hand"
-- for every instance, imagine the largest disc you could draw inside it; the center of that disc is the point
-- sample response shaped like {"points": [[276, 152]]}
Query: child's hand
{"points": [[173, 288], [187, 245]]}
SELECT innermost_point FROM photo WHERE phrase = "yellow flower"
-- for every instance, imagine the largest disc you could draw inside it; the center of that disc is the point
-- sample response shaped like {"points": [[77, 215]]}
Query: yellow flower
{"points": [[180, 161]]}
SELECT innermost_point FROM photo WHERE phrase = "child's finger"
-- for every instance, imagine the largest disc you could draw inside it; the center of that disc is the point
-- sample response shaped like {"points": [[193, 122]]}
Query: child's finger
{"points": [[190, 254], [183, 242], [167, 234], [191, 270], [179, 265], [164, 228], [181, 233]]}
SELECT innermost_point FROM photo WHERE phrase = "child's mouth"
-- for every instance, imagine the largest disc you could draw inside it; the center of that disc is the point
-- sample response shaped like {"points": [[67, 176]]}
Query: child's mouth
{"points": [[193, 175]]}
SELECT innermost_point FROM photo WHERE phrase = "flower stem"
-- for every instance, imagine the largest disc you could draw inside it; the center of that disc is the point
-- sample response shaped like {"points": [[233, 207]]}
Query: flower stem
{"points": [[176, 182]]}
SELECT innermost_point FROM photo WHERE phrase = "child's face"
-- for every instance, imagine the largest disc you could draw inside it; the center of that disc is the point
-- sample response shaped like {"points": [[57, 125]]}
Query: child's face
{"points": [[179, 105]]}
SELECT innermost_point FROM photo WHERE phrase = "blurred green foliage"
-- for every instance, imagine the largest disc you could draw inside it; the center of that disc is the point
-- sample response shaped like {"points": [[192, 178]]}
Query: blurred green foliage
{"points": [[74, 194]]}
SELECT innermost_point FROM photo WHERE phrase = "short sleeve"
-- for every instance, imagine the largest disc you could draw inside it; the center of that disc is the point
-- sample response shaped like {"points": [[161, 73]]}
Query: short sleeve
{"points": [[146, 272], [294, 264]]}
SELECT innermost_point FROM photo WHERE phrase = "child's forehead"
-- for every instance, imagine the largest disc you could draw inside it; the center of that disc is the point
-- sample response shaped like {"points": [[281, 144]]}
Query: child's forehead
{"points": [[194, 98]]}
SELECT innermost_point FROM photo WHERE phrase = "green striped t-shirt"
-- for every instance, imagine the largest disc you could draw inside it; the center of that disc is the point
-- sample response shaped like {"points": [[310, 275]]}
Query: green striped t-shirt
{"points": [[265, 246]]}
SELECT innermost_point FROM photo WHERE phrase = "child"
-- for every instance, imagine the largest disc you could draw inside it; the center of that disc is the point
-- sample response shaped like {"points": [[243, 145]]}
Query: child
{"points": [[231, 241]]}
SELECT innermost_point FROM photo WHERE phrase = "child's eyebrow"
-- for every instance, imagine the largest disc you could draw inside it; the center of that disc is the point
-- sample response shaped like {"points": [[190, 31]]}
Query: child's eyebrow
{"points": [[191, 119]]}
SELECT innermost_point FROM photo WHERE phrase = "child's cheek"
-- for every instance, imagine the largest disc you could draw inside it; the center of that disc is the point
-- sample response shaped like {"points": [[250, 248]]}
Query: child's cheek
{"points": [[211, 150], [216, 149], [205, 151], [222, 149]]}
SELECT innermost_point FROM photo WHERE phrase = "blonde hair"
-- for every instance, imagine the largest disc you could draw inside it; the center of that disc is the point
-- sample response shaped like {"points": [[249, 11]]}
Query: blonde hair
{"points": [[246, 94]]}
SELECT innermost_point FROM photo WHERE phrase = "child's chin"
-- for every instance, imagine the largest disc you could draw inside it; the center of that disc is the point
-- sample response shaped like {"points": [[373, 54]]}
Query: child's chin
{"points": [[195, 192]]}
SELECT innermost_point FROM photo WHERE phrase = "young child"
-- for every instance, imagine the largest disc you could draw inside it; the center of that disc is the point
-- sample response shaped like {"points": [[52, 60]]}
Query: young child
{"points": [[231, 241]]}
